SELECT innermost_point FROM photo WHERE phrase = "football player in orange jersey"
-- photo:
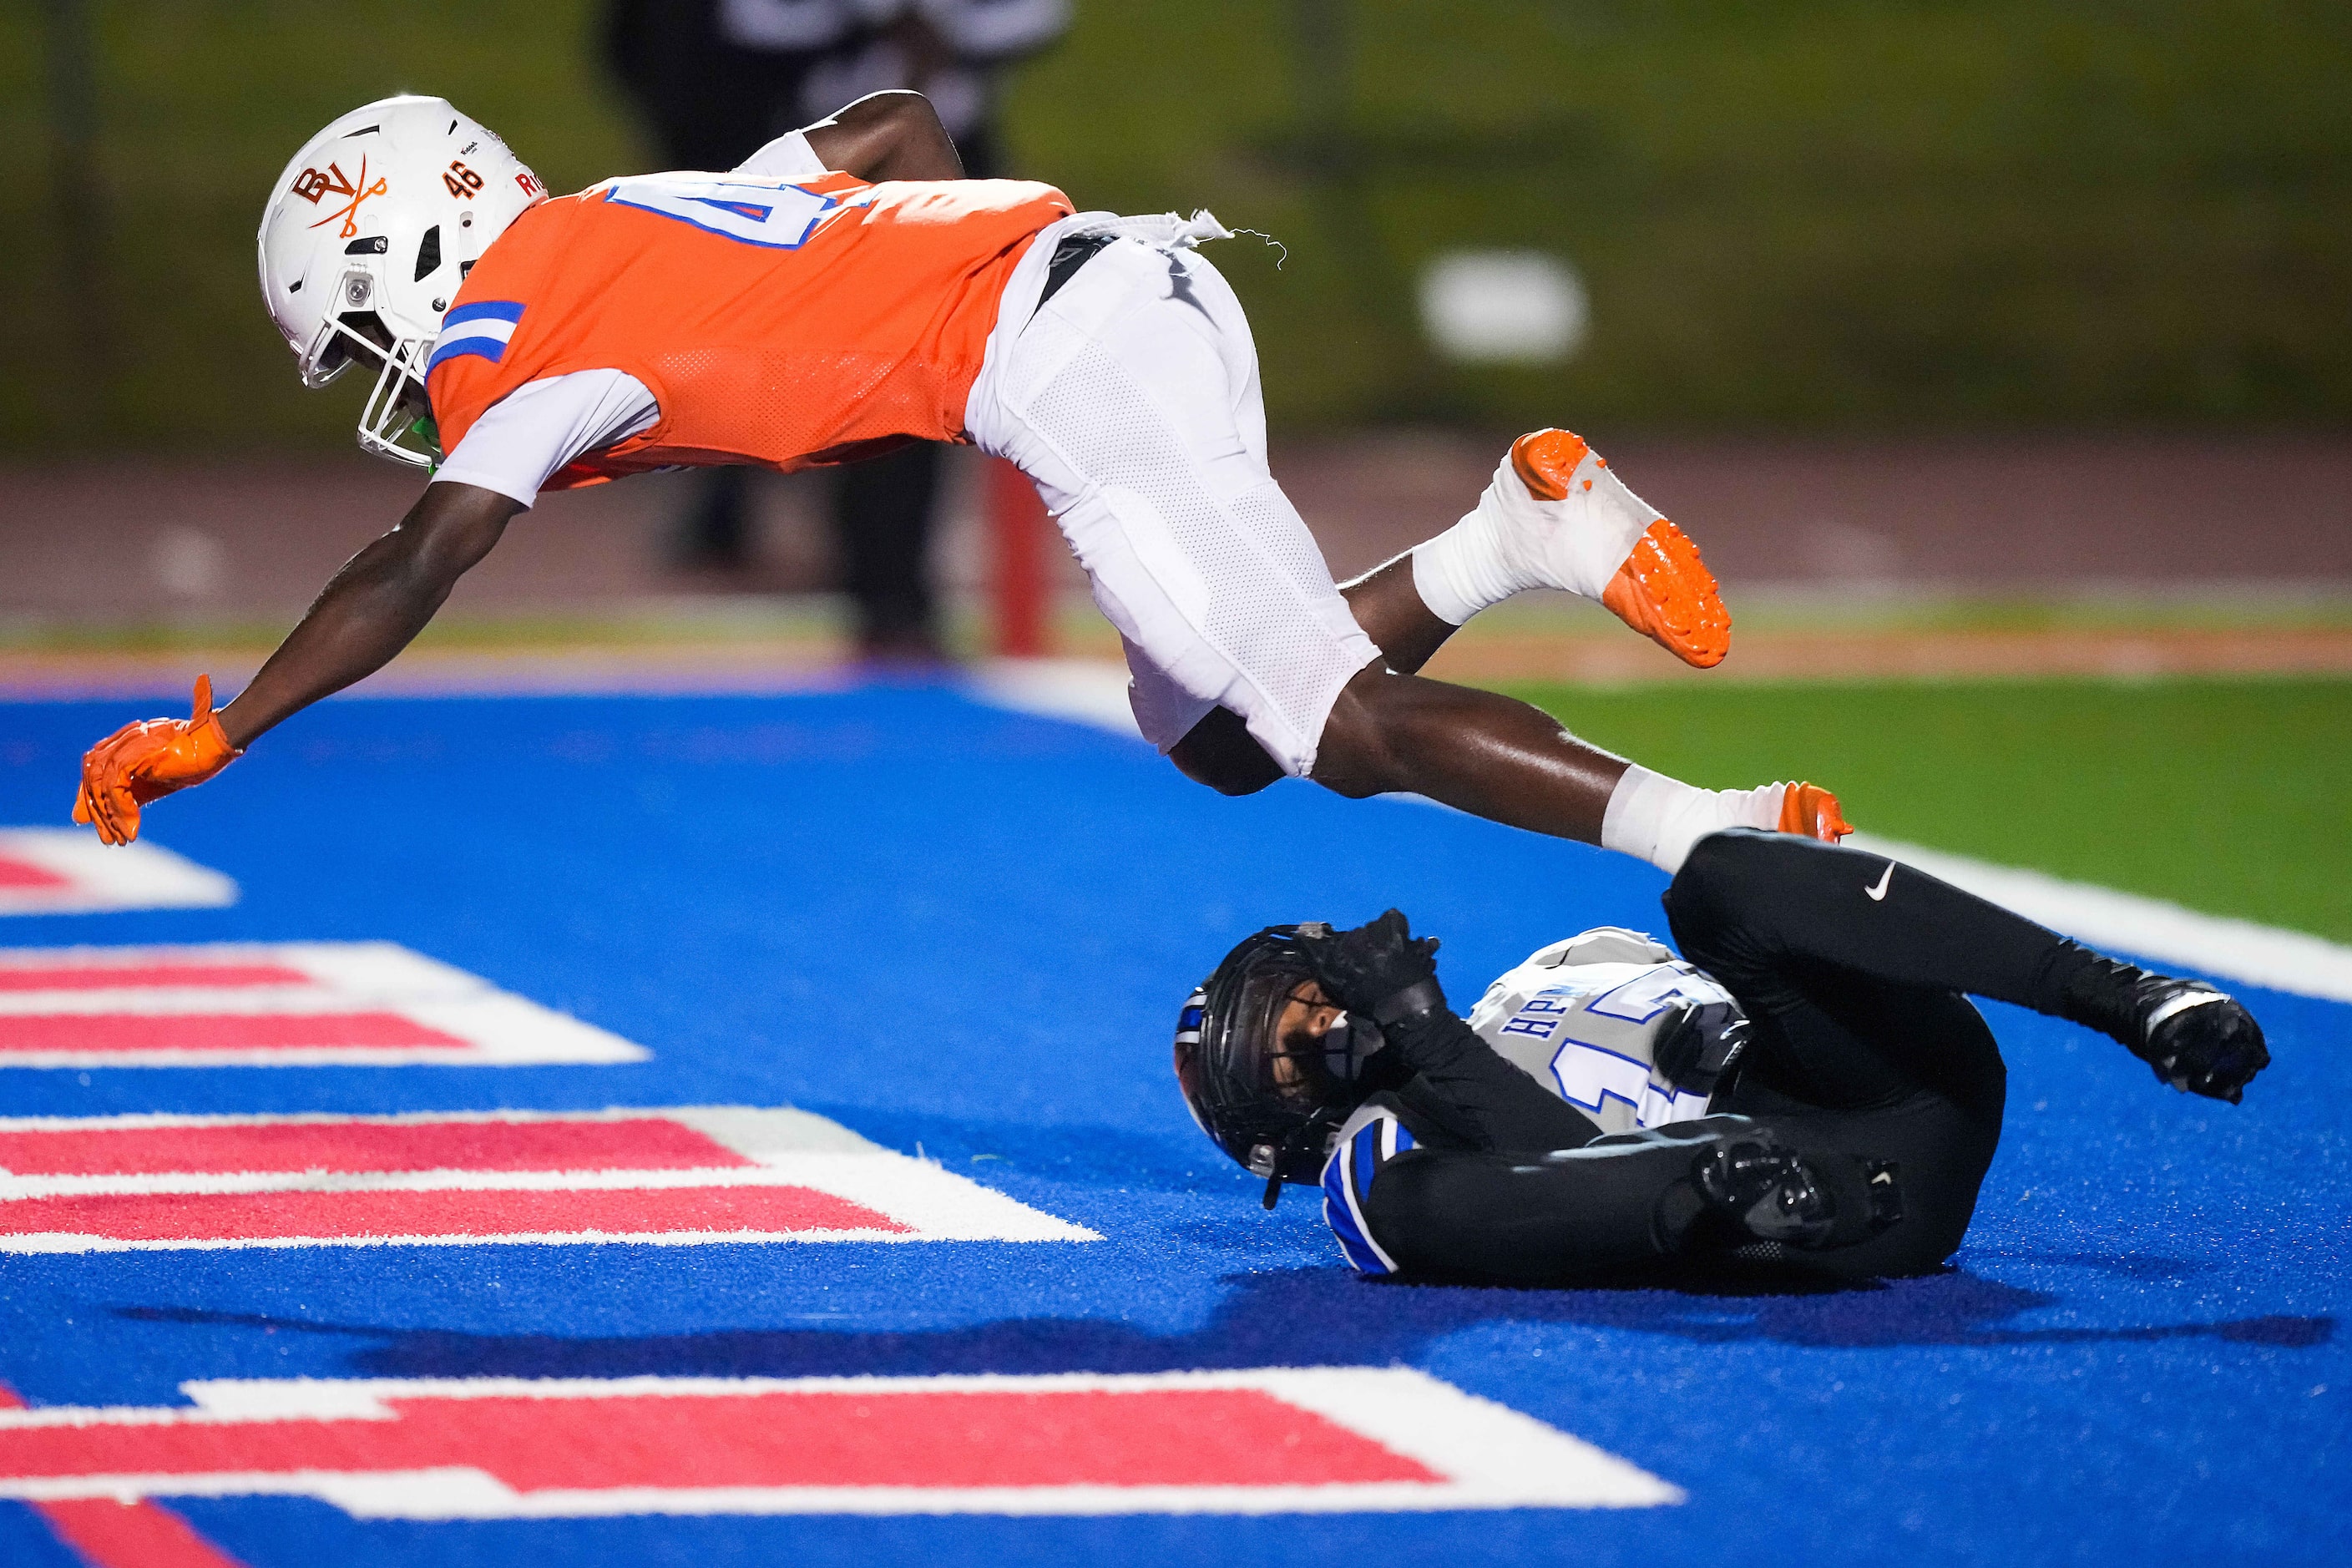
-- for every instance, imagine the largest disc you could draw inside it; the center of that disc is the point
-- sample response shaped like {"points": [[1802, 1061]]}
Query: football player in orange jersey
{"points": [[846, 290]]}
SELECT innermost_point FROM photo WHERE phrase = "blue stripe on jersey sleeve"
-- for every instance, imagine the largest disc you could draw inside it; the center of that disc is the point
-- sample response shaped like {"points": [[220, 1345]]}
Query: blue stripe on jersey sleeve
{"points": [[483, 310], [489, 349]]}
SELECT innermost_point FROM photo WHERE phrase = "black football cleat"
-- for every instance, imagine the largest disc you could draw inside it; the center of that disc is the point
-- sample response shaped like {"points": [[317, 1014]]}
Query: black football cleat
{"points": [[2198, 1039], [1808, 1200]]}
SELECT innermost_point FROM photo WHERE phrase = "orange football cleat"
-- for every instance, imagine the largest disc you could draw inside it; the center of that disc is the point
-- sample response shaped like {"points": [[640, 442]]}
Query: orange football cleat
{"points": [[1665, 592], [1546, 461], [1657, 583], [1812, 811], [147, 761]]}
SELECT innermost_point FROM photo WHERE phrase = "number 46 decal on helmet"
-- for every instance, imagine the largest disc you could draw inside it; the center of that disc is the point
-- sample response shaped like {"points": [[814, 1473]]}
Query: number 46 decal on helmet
{"points": [[755, 212]]}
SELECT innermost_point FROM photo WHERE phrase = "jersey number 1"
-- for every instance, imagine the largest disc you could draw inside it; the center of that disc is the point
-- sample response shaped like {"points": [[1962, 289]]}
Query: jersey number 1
{"points": [[780, 216]]}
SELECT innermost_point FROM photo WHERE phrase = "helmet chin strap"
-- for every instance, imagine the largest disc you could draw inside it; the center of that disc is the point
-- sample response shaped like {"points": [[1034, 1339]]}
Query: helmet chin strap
{"points": [[1318, 1125]]}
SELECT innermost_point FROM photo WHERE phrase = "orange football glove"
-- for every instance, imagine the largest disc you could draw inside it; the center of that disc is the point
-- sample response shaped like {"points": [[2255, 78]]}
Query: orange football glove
{"points": [[1811, 810], [147, 761]]}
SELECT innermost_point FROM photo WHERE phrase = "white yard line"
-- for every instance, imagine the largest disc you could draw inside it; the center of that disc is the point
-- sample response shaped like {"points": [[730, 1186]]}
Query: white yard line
{"points": [[1088, 692], [1082, 691]]}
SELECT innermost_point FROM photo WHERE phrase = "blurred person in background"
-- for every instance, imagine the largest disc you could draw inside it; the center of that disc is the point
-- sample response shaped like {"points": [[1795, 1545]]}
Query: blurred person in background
{"points": [[719, 79]]}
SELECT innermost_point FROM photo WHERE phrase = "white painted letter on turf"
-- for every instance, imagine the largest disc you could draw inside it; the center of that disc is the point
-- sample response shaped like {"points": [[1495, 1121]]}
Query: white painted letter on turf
{"points": [[66, 871], [1264, 1441], [298, 1004]]}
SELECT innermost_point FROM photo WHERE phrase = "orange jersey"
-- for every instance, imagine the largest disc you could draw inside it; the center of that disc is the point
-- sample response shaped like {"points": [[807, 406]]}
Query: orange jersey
{"points": [[775, 323]]}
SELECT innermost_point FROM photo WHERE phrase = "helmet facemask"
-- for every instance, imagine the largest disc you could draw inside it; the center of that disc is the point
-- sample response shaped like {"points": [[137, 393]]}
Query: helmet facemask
{"points": [[1269, 1064], [1306, 1061], [390, 424]]}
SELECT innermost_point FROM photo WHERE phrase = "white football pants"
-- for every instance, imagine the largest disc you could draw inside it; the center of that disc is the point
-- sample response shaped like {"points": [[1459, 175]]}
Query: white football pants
{"points": [[1131, 399]]}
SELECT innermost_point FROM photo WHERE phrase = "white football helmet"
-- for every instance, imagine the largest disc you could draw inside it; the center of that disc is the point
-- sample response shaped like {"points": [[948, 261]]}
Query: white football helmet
{"points": [[374, 223]]}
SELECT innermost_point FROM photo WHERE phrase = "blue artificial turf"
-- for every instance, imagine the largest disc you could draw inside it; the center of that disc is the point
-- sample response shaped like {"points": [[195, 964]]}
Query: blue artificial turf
{"points": [[951, 926]]}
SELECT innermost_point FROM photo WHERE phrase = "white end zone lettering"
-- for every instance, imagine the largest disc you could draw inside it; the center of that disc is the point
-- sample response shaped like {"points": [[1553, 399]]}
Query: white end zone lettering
{"points": [[66, 871], [1264, 1441], [277, 1004], [666, 1176]]}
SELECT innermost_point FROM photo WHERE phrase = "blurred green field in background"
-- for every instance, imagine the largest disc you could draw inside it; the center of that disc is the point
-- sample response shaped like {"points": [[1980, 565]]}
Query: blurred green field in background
{"points": [[2230, 796], [1850, 214]]}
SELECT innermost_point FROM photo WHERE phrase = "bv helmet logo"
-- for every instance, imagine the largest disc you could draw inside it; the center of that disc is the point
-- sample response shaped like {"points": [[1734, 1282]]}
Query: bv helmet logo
{"points": [[312, 185]]}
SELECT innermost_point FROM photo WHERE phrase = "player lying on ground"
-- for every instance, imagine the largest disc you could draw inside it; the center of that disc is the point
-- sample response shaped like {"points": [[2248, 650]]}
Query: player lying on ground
{"points": [[1810, 1089], [845, 291]]}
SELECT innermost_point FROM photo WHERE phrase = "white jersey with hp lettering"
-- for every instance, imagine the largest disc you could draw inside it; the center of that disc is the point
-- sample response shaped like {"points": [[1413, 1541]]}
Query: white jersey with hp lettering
{"points": [[1584, 1018]]}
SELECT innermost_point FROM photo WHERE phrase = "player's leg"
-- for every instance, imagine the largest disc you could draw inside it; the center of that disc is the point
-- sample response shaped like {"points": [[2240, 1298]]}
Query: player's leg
{"points": [[1769, 915], [1659, 588], [1130, 398], [1691, 1190], [1937, 1150], [1555, 515], [1498, 758], [1389, 607], [1840, 1019], [1859, 1038], [1518, 765]]}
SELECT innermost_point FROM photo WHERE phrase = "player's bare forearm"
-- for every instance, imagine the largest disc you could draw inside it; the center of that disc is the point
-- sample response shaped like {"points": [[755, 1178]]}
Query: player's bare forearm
{"points": [[887, 136], [373, 608]]}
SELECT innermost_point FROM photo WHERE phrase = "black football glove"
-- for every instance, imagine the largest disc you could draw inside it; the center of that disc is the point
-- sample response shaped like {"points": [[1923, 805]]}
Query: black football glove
{"points": [[1379, 970], [2199, 1040]]}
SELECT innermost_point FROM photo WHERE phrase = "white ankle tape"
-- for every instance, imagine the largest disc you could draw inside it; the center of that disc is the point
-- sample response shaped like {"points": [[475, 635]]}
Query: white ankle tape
{"points": [[1659, 820], [1636, 810], [1462, 571]]}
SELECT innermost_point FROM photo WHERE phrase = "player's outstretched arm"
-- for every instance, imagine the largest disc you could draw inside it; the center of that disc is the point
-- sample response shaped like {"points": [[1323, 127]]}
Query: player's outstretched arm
{"points": [[369, 612], [887, 136], [374, 606]]}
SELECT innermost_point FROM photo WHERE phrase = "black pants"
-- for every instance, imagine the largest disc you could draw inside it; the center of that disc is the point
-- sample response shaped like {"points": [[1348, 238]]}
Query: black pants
{"points": [[1863, 1040], [880, 510], [1861, 1037]]}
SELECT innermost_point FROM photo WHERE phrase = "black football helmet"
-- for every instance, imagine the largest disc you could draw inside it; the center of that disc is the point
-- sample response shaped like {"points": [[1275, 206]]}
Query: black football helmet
{"points": [[1268, 1063]]}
